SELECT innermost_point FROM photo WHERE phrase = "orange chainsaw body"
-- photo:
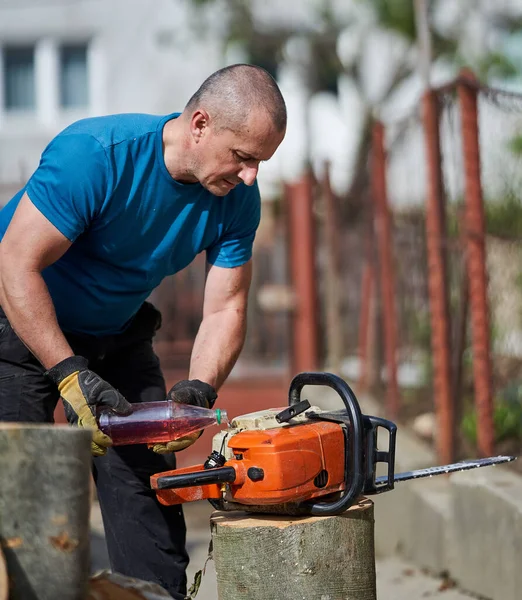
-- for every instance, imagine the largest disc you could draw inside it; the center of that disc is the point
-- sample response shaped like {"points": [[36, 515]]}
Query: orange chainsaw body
{"points": [[272, 466]]}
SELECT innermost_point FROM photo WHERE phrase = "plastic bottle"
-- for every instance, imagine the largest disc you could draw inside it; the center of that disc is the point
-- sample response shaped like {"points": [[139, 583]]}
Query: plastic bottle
{"points": [[156, 422]]}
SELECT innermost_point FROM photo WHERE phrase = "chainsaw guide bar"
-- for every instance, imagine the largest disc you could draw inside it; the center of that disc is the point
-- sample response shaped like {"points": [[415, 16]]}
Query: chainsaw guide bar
{"points": [[465, 465]]}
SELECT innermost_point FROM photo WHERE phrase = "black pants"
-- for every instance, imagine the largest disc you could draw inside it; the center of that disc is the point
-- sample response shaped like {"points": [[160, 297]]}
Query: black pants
{"points": [[144, 538]]}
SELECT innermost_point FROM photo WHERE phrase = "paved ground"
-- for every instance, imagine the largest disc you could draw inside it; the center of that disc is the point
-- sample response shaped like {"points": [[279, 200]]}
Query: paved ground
{"points": [[396, 579]]}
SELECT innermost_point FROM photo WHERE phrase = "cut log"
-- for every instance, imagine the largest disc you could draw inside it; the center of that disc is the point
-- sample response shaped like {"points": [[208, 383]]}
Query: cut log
{"points": [[114, 586], [44, 510], [262, 557]]}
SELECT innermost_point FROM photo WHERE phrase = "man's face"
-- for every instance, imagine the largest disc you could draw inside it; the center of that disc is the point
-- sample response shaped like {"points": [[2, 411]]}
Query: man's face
{"points": [[224, 158]]}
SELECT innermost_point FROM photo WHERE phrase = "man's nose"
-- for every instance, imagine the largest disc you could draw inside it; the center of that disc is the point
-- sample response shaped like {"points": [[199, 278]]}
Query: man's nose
{"points": [[248, 174]]}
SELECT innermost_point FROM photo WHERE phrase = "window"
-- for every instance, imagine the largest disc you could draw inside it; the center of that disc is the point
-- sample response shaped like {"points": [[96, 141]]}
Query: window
{"points": [[73, 76], [19, 84]]}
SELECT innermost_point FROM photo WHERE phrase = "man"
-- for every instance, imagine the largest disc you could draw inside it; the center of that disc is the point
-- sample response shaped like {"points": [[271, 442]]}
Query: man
{"points": [[116, 204]]}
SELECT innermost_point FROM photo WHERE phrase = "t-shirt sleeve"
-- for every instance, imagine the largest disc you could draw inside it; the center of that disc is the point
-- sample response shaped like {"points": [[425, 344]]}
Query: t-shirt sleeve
{"points": [[234, 246], [71, 183]]}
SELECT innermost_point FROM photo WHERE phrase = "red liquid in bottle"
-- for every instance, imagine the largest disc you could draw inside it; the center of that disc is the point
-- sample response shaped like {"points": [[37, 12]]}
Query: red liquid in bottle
{"points": [[156, 422]]}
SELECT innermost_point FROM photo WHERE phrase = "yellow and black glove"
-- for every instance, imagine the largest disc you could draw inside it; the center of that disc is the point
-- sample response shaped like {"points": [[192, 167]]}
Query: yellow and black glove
{"points": [[196, 393], [82, 391]]}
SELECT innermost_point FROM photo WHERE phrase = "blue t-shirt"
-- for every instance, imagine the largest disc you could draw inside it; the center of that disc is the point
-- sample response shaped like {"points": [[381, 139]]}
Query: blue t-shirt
{"points": [[104, 184]]}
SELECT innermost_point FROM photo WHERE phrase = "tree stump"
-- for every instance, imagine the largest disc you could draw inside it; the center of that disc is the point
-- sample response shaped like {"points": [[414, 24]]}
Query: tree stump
{"points": [[264, 557], [44, 510]]}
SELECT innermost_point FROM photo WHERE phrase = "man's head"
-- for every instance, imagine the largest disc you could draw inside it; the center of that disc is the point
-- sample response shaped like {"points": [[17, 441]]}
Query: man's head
{"points": [[235, 120]]}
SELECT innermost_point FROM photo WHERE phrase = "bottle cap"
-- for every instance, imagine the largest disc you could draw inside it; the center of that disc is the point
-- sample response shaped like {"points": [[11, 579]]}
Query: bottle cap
{"points": [[221, 416]]}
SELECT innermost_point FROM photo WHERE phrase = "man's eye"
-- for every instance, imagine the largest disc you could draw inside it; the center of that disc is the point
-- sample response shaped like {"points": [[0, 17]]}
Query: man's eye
{"points": [[247, 159]]}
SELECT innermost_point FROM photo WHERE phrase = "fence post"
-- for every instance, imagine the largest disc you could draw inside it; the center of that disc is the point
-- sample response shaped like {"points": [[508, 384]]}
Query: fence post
{"points": [[387, 271], [476, 264], [437, 282], [262, 557], [301, 230]]}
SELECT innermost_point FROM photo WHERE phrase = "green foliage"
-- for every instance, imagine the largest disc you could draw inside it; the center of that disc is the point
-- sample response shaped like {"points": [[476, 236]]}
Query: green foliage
{"points": [[443, 46], [420, 328], [507, 416], [453, 219], [515, 145], [419, 334], [504, 216], [398, 15], [496, 64]]}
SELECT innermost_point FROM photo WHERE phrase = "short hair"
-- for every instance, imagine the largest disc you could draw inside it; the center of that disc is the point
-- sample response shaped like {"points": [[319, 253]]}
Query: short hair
{"points": [[231, 93]]}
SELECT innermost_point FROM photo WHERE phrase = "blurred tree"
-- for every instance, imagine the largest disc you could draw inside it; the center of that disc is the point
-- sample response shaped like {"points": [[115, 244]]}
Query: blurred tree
{"points": [[372, 45], [263, 45]]}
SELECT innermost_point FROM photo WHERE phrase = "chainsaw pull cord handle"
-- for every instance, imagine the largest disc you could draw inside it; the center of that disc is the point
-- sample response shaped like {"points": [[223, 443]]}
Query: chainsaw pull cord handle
{"points": [[354, 463]]}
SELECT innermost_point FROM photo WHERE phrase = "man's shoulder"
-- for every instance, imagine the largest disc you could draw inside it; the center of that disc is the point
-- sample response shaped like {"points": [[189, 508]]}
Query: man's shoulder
{"points": [[114, 129], [243, 192], [242, 207]]}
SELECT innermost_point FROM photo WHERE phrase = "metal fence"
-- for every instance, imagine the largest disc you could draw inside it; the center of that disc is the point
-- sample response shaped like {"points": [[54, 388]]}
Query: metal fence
{"points": [[452, 324]]}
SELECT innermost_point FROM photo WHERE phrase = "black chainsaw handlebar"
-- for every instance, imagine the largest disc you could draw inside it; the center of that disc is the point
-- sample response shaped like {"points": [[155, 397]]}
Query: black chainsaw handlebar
{"points": [[182, 480], [354, 461]]}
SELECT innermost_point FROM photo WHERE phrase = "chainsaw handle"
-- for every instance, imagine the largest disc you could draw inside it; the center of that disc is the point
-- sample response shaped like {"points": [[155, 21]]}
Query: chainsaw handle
{"points": [[354, 464]]}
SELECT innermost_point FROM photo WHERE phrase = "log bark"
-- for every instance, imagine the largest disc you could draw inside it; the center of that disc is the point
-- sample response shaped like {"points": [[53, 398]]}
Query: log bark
{"points": [[44, 510], [260, 557]]}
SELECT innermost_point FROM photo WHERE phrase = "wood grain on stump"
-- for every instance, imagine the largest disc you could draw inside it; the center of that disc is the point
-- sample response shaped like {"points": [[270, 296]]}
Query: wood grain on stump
{"points": [[263, 557]]}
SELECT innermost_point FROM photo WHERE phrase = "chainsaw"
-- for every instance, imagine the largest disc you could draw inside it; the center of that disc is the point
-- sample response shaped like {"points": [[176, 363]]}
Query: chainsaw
{"points": [[299, 459]]}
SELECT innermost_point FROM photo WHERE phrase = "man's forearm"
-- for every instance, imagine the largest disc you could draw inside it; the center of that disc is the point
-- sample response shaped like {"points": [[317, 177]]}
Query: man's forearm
{"points": [[27, 304], [217, 346]]}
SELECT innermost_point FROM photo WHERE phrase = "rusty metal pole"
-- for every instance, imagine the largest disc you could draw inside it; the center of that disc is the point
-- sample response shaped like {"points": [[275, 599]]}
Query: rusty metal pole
{"points": [[476, 265], [438, 282], [387, 271], [301, 231]]}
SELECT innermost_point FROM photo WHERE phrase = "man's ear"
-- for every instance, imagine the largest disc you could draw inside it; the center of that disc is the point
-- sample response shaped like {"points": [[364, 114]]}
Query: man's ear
{"points": [[199, 124]]}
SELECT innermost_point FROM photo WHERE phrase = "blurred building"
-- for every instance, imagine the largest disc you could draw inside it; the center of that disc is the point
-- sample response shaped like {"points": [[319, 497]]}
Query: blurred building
{"points": [[62, 60]]}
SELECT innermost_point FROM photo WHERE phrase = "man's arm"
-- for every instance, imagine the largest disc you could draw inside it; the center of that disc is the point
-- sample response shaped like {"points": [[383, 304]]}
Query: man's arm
{"points": [[217, 346], [222, 331], [30, 244]]}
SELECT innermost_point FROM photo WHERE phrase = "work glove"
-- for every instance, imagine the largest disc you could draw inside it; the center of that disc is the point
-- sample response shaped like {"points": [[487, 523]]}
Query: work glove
{"points": [[82, 391], [196, 393]]}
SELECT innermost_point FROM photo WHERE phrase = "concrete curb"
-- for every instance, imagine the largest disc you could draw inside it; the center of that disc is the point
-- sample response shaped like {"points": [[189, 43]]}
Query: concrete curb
{"points": [[468, 524]]}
